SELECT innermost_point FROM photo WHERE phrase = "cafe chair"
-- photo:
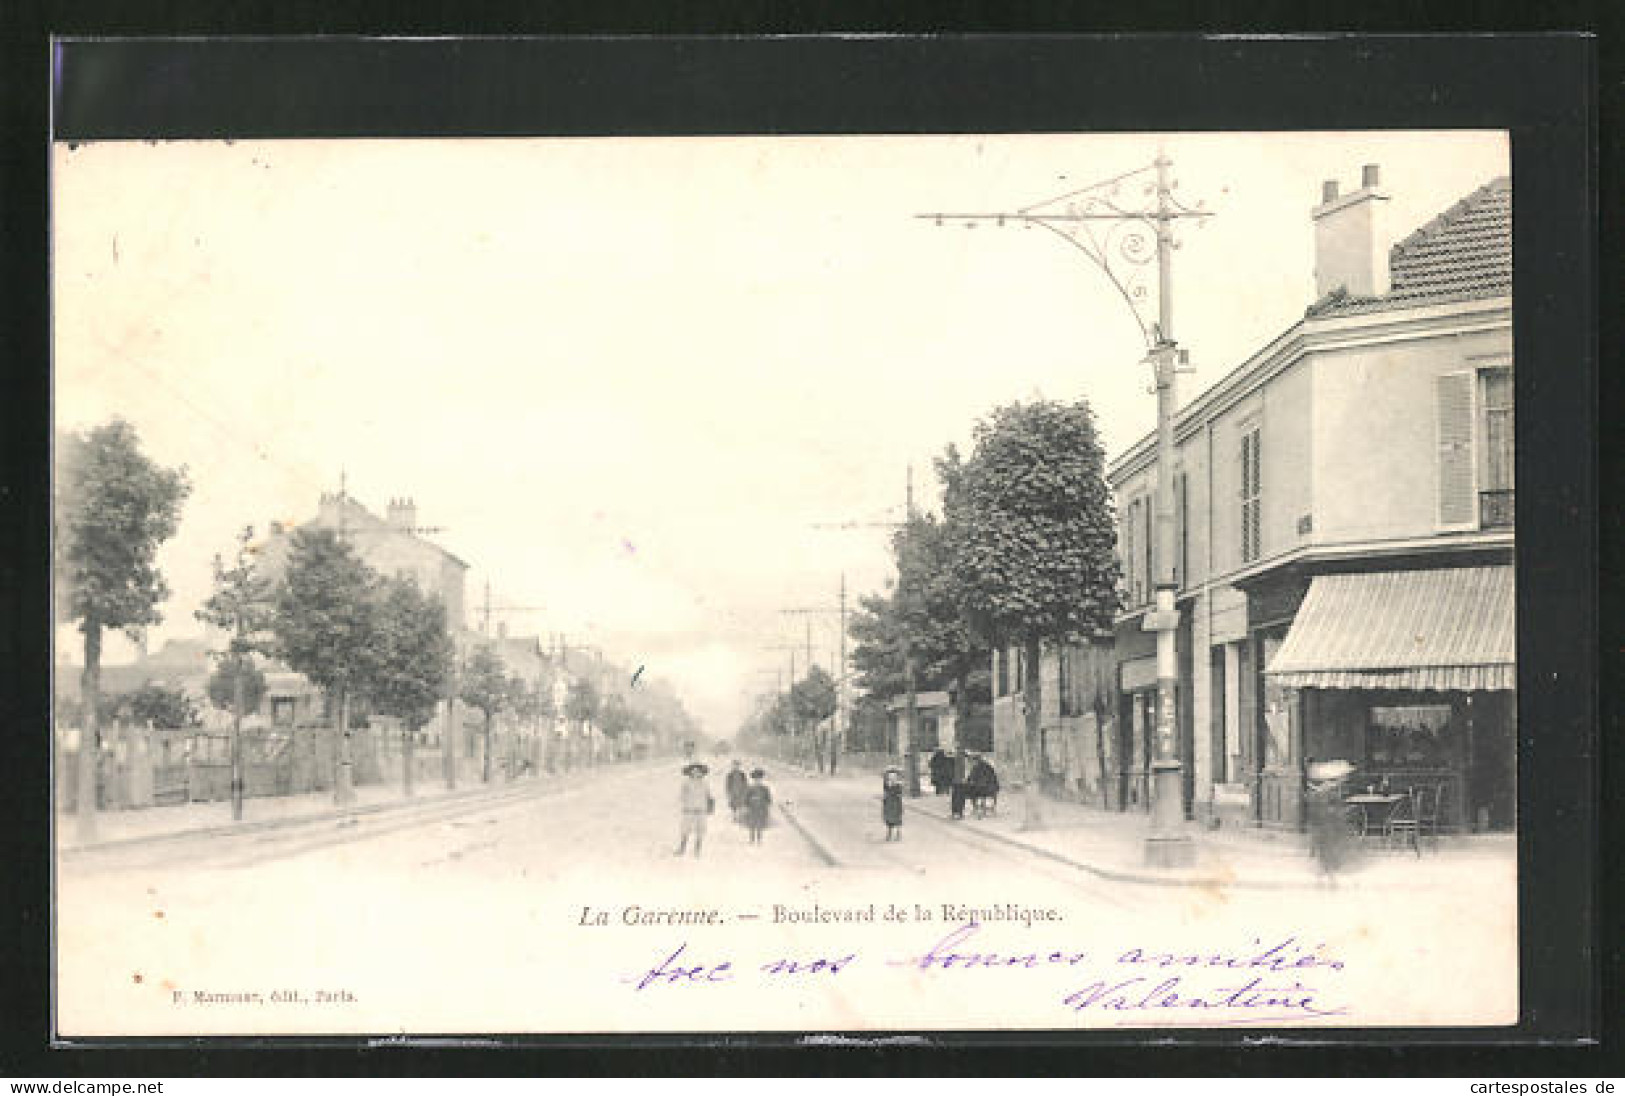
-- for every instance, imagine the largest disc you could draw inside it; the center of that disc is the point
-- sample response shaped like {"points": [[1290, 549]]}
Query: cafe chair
{"points": [[1415, 815], [1429, 812]]}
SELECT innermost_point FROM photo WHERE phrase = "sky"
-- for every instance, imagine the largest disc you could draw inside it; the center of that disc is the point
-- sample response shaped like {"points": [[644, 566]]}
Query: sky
{"points": [[638, 381]]}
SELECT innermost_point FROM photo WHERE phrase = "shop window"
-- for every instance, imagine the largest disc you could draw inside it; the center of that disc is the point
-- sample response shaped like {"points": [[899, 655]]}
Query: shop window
{"points": [[1278, 713], [1412, 736]]}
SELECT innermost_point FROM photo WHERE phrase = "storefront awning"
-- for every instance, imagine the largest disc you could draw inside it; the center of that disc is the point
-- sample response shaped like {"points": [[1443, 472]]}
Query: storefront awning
{"points": [[1451, 629]]}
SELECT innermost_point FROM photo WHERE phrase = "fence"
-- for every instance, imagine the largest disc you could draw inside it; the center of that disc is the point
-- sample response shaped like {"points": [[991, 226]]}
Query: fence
{"points": [[143, 767]]}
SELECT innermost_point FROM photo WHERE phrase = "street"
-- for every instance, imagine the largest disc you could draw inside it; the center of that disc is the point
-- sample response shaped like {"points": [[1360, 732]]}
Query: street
{"points": [[562, 907]]}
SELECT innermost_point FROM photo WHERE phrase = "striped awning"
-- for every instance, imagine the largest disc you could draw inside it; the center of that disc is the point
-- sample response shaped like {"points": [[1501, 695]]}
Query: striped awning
{"points": [[1446, 630]]}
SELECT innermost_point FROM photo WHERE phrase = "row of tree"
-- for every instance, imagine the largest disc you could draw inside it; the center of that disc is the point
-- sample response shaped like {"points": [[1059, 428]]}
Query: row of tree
{"points": [[1022, 555], [802, 711], [365, 639]]}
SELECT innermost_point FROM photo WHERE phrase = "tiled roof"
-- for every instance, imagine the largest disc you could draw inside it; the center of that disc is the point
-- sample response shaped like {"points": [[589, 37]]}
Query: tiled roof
{"points": [[1463, 253]]}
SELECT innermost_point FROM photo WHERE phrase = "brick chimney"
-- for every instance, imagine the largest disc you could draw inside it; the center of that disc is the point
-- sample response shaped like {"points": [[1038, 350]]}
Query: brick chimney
{"points": [[403, 514], [1351, 239]]}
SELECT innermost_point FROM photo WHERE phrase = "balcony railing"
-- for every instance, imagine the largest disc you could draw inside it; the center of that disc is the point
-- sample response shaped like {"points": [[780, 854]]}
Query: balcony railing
{"points": [[1495, 509]]}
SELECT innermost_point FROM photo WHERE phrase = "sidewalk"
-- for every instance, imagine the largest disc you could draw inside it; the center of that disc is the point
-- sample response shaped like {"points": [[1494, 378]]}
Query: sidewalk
{"points": [[262, 812], [1112, 845]]}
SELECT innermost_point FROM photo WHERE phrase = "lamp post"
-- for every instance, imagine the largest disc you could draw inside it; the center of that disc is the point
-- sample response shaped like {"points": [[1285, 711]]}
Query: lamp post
{"points": [[1109, 222]]}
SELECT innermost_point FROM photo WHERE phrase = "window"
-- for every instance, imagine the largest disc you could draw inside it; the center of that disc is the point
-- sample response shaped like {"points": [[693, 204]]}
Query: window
{"points": [[1001, 672], [1063, 684], [1131, 523], [1474, 417], [1496, 464], [1251, 494]]}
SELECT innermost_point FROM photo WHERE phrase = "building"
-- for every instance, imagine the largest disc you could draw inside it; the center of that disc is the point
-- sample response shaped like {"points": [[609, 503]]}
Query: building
{"points": [[1344, 507], [1078, 754]]}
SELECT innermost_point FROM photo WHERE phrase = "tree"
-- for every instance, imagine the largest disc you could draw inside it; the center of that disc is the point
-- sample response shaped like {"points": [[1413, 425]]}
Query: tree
{"points": [[113, 508], [532, 703], [485, 686], [877, 651], [947, 652], [1031, 543], [581, 705], [412, 662], [616, 720], [165, 706], [242, 607], [326, 627], [225, 678], [921, 626]]}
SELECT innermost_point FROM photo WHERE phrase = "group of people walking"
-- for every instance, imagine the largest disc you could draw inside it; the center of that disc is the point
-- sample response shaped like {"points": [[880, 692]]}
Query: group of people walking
{"points": [[749, 801], [965, 778]]}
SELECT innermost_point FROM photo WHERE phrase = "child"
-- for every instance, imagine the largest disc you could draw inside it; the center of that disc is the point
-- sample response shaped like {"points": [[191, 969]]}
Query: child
{"points": [[696, 803], [891, 804], [757, 801]]}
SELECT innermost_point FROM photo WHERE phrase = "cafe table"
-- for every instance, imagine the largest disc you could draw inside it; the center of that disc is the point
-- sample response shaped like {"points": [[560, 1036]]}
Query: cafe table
{"points": [[1375, 808]]}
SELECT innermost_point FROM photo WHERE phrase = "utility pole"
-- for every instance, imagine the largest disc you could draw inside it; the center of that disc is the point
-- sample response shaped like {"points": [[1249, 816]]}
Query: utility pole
{"points": [[1111, 232], [789, 688], [840, 690], [487, 609], [905, 743], [838, 610]]}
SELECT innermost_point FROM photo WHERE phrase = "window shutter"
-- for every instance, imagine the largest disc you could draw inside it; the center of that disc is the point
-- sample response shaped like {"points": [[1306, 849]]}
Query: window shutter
{"points": [[1454, 392]]}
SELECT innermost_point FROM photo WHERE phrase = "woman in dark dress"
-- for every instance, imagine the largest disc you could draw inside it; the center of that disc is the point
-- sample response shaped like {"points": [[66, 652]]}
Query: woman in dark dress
{"points": [[735, 784], [758, 800], [942, 772], [891, 804]]}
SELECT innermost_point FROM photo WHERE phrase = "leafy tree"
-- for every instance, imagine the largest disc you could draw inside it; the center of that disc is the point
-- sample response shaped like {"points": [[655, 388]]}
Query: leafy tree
{"points": [[326, 627], [485, 685], [581, 706], [615, 716], [582, 702], [242, 607], [412, 662], [814, 696], [113, 508], [532, 704], [165, 706], [946, 649], [1031, 543], [877, 652], [920, 627], [223, 683], [814, 700]]}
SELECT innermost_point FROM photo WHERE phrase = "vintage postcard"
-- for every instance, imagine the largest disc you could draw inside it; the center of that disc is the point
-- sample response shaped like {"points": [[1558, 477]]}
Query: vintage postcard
{"points": [[784, 584]]}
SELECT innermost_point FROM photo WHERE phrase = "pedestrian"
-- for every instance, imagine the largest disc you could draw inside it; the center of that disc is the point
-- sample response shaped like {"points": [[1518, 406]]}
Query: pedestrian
{"points": [[735, 784], [959, 779], [942, 771], [1330, 839], [758, 798], [891, 803], [696, 802]]}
